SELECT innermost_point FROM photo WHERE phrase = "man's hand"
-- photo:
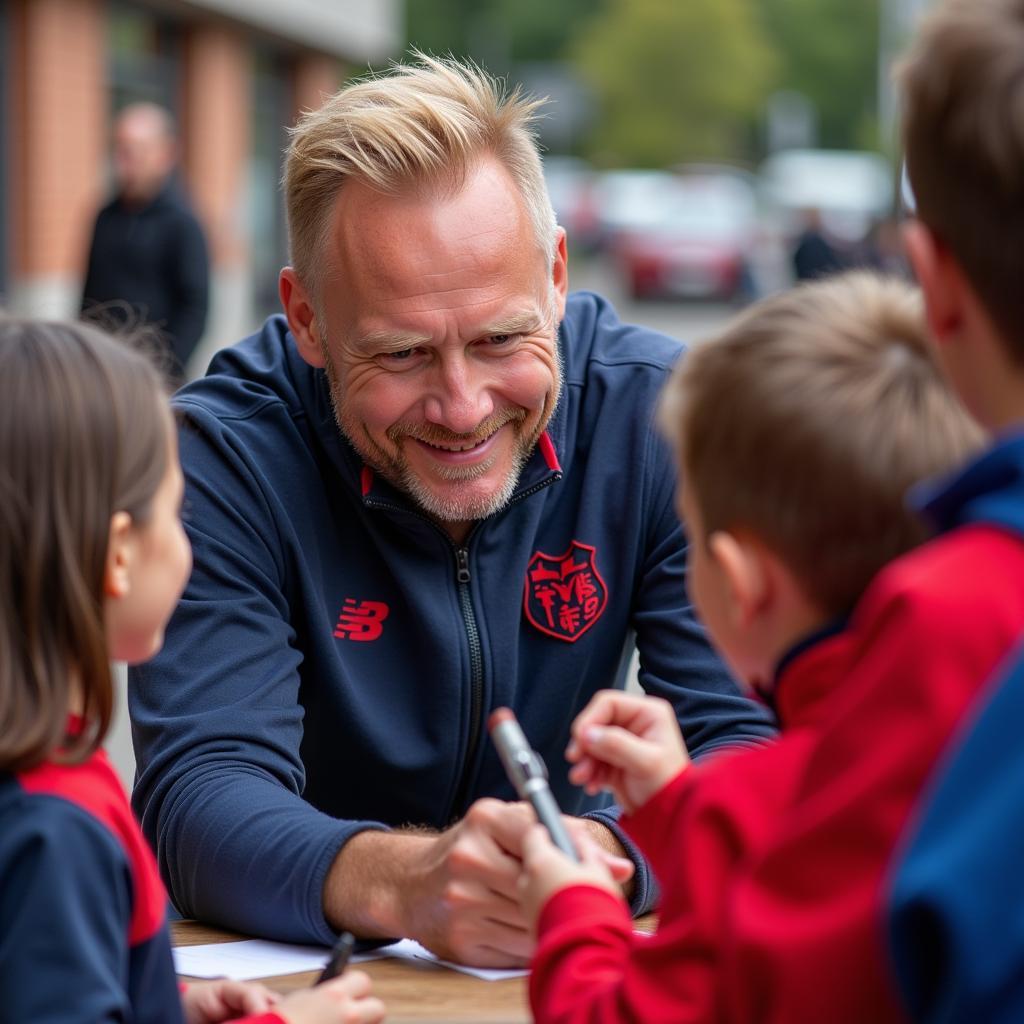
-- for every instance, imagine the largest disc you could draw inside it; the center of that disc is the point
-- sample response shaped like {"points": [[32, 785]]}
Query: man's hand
{"points": [[461, 900], [456, 892], [453, 891], [628, 744], [546, 870]]}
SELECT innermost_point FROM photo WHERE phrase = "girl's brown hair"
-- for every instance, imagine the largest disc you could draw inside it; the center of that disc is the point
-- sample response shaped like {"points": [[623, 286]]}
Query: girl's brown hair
{"points": [[83, 434]]}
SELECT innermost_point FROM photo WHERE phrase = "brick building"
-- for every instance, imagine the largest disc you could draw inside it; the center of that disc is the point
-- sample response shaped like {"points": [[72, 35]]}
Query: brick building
{"points": [[234, 72]]}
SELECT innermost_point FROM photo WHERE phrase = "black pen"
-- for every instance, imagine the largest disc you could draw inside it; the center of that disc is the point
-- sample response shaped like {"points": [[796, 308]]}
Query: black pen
{"points": [[526, 770], [339, 957]]}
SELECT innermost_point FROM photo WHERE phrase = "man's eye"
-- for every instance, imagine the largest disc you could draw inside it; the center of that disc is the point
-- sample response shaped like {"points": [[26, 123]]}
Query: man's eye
{"points": [[502, 339], [401, 354]]}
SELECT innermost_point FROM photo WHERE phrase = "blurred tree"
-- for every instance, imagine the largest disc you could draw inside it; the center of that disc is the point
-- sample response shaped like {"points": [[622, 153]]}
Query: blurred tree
{"points": [[828, 51], [674, 79], [510, 30]]}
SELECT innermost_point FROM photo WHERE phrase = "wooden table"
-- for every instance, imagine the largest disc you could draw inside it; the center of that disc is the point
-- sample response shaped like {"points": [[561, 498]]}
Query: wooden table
{"points": [[411, 991]]}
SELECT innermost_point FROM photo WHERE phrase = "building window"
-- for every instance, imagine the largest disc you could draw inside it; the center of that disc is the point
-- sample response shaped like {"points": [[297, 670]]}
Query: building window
{"points": [[271, 111], [145, 57]]}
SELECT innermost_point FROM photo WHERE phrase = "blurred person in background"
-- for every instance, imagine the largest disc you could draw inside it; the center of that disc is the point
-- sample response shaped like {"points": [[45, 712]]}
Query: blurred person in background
{"points": [[814, 255], [148, 260]]}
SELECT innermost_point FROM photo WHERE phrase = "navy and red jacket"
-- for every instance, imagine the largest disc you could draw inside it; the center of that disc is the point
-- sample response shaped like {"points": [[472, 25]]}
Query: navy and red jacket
{"points": [[335, 656], [83, 914], [957, 889], [844, 884], [697, 832]]}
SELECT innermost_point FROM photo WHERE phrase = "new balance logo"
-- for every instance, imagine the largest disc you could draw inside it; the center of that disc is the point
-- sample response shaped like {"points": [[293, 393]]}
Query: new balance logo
{"points": [[361, 620]]}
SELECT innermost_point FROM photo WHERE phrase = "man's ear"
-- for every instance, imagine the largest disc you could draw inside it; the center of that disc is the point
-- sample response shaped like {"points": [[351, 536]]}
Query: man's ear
{"points": [[301, 317], [941, 280], [117, 582], [560, 273], [746, 574]]}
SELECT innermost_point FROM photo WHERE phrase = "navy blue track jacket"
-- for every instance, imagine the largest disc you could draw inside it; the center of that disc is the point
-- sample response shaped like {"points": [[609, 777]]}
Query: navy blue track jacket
{"points": [[83, 916], [335, 656]]}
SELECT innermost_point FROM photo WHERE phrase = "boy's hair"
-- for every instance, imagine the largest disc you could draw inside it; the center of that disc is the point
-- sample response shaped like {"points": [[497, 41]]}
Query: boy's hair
{"points": [[807, 419], [963, 127], [83, 434], [418, 124]]}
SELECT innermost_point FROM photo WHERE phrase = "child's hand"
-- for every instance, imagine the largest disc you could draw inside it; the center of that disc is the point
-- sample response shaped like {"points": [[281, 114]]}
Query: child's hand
{"points": [[209, 1002], [546, 870], [628, 744], [342, 1000]]}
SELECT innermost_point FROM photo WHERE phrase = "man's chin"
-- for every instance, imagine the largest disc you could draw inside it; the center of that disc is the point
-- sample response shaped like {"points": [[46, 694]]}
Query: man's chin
{"points": [[451, 503]]}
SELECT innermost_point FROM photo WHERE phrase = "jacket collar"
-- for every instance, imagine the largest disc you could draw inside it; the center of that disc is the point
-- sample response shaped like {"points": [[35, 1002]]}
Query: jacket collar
{"points": [[990, 489], [806, 674]]}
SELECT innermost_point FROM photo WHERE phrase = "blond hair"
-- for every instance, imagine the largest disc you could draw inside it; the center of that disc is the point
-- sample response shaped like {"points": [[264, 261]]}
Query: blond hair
{"points": [[425, 123], [963, 97], [807, 419]]}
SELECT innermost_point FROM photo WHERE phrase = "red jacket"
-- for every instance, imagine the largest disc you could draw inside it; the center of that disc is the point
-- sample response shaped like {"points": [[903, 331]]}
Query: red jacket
{"points": [[775, 863], [697, 832]]}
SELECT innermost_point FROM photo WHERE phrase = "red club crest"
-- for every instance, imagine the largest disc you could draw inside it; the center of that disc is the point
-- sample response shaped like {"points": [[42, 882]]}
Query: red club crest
{"points": [[565, 594]]}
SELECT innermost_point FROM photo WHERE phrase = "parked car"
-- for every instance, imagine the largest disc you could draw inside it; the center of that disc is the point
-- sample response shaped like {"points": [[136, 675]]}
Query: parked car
{"points": [[695, 242], [630, 201]]}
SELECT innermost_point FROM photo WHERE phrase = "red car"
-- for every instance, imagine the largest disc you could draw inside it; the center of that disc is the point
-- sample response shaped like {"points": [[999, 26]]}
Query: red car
{"points": [[697, 244]]}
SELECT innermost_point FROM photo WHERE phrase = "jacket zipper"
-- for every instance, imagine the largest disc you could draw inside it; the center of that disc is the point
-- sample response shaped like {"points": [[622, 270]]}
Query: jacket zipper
{"points": [[476, 686], [476, 682]]}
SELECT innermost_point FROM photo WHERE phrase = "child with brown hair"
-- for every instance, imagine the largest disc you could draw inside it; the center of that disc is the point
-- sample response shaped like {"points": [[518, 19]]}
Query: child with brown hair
{"points": [[93, 560], [799, 431]]}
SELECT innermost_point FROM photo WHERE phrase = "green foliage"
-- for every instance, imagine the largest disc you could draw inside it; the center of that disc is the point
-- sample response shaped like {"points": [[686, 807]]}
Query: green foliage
{"points": [[678, 79], [674, 79], [828, 51]]}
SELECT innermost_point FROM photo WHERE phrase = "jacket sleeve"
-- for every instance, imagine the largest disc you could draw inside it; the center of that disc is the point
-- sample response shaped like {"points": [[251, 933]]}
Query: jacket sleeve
{"points": [[591, 967], [191, 275], [959, 949], [65, 904], [218, 724], [813, 903]]}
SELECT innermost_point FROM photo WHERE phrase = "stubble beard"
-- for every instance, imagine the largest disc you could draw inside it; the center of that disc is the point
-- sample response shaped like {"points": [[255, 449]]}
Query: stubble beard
{"points": [[394, 467]]}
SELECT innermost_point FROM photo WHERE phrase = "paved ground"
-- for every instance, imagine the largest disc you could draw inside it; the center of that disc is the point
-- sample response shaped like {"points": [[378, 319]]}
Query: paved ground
{"points": [[688, 321]]}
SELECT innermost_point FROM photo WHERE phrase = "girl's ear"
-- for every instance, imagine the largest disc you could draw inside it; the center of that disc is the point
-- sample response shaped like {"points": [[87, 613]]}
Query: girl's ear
{"points": [[120, 549], [745, 573]]}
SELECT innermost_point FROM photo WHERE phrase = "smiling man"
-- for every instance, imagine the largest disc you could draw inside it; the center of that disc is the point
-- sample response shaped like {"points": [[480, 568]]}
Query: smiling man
{"points": [[431, 489]]}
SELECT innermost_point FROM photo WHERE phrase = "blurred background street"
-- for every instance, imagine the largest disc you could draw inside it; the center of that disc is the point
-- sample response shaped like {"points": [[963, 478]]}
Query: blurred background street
{"points": [[699, 153], [690, 147]]}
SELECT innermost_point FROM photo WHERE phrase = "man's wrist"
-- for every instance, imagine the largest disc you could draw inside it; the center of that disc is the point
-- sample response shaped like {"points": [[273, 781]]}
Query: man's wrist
{"points": [[609, 841], [369, 885]]}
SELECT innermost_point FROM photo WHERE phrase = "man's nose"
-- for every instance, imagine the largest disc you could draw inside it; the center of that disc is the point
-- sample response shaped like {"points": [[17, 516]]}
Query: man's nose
{"points": [[459, 398]]}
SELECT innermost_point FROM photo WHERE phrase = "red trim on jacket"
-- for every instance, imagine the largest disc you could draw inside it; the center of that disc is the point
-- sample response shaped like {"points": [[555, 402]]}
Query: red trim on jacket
{"points": [[94, 786], [547, 449]]}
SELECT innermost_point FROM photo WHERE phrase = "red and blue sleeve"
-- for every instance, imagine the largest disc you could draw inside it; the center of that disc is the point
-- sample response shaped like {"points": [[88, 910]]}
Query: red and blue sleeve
{"points": [[65, 900]]}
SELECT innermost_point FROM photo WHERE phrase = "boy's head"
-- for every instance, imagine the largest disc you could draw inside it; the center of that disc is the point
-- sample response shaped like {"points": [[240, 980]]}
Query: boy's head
{"points": [[963, 125], [799, 430]]}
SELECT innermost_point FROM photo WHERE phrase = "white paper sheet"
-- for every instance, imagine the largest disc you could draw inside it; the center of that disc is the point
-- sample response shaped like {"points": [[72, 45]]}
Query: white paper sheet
{"points": [[248, 959], [253, 958], [409, 949]]}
